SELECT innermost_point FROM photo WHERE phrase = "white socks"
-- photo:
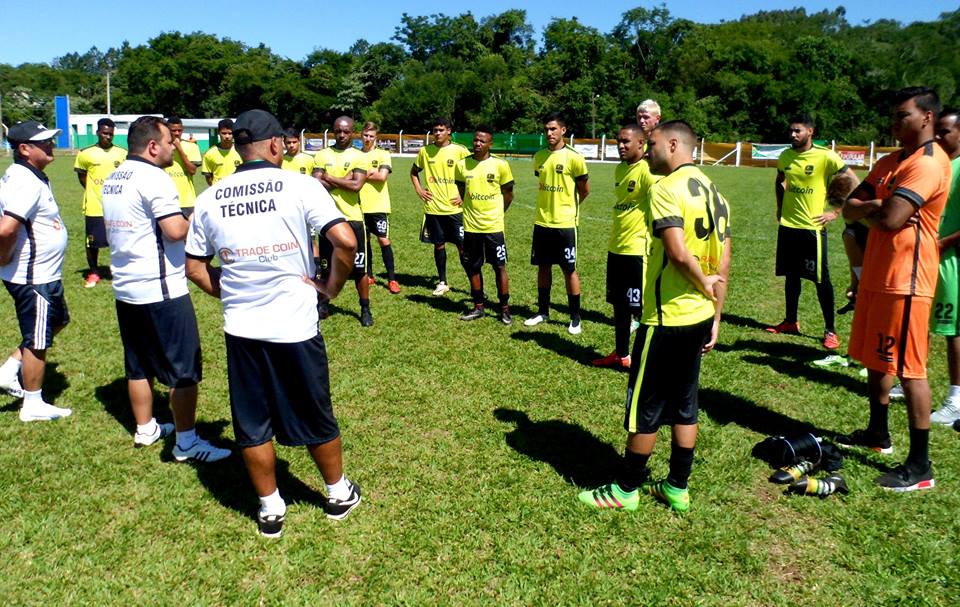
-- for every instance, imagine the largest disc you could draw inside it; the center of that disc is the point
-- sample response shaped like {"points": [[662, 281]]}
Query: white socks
{"points": [[340, 490], [149, 428], [273, 504], [954, 393], [10, 368], [33, 398]]}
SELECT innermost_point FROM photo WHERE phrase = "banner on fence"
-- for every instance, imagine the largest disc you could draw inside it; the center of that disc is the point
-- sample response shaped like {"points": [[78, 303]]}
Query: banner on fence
{"points": [[767, 151]]}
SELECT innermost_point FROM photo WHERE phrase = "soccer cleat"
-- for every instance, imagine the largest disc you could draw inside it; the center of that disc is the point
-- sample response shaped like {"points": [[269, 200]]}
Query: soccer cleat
{"points": [[145, 440], [505, 317], [901, 479], [393, 286], [575, 327], [896, 392], [613, 360], [833, 360], [200, 451], [441, 289], [91, 281], [12, 386], [787, 474], [371, 280], [366, 317], [956, 425], [831, 341], [270, 525], [821, 487], [339, 509], [847, 307], [474, 314], [42, 412], [867, 439], [678, 499], [785, 328], [948, 413], [536, 320], [610, 496]]}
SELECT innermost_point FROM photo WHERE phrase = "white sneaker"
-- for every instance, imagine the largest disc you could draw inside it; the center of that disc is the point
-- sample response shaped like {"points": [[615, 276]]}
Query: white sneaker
{"points": [[634, 325], [441, 289], [834, 360], [145, 440], [12, 386], [200, 451], [535, 320], [42, 412], [896, 392], [575, 327], [948, 413]]}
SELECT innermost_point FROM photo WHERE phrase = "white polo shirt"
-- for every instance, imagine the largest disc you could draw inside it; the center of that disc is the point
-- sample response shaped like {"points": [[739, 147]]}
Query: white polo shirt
{"points": [[147, 268], [26, 196], [256, 222]]}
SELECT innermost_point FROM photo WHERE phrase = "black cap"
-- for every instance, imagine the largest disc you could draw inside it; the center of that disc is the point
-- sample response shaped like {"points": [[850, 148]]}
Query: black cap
{"points": [[255, 125], [30, 130]]}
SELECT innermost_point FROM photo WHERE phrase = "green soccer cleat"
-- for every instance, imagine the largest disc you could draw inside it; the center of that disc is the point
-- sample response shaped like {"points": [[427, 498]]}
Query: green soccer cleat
{"points": [[610, 496], [678, 499]]}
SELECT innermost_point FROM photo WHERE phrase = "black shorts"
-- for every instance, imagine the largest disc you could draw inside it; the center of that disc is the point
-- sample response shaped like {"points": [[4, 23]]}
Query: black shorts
{"points": [[859, 233], [96, 233], [377, 224], [554, 246], [359, 258], [161, 340], [625, 280], [187, 211], [41, 310], [479, 247], [280, 389], [438, 229], [664, 377], [802, 253]]}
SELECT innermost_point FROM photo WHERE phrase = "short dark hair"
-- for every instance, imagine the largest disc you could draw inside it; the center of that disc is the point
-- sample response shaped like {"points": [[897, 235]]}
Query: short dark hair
{"points": [[554, 117], [682, 129], [925, 98], [105, 122], [445, 122], [226, 123], [484, 128], [173, 120], [142, 131], [803, 118], [634, 127], [291, 133]]}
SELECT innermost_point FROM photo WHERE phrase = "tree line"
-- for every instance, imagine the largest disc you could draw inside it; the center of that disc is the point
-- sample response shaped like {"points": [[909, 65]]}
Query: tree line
{"points": [[735, 80]]}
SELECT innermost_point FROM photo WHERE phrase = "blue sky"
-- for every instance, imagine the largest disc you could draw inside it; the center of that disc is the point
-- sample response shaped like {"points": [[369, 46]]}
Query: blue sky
{"points": [[52, 28]]}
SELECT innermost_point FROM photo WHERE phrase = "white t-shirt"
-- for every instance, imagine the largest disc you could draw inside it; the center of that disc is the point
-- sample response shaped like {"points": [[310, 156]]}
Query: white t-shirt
{"points": [[26, 196], [256, 222], [146, 267]]}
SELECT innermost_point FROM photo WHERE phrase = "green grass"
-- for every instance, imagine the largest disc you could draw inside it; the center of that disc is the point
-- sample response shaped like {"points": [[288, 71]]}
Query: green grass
{"points": [[471, 442]]}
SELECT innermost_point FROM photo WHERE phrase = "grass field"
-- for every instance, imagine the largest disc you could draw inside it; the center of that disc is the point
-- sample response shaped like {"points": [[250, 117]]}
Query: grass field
{"points": [[471, 441]]}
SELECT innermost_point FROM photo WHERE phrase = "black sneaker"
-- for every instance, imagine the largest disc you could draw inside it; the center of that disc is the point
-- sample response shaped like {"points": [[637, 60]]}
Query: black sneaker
{"points": [[339, 509], [366, 317], [270, 525], [865, 438], [323, 310], [505, 317], [956, 425], [902, 479], [474, 314]]}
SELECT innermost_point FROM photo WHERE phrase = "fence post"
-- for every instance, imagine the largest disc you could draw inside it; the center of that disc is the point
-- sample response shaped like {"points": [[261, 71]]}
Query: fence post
{"points": [[833, 145], [325, 137], [738, 154], [603, 147], [702, 141], [400, 142], [870, 164]]}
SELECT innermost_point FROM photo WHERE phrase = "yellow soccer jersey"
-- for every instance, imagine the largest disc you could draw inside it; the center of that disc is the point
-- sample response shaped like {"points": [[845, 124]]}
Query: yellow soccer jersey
{"points": [[375, 195], [687, 199], [558, 172], [340, 163], [183, 180], [97, 163], [805, 189], [632, 182], [483, 201], [220, 163], [301, 163], [437, 166]]}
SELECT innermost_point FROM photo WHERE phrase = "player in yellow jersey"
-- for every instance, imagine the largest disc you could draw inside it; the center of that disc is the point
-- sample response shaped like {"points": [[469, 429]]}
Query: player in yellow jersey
{"points": [[375, 203], [342, 169], [93, 165], [222, 159], [442, 217], [627, 248], [808, 176], [485, 184], [563, 186], [685, 290], [186, 161], [295, 160]]}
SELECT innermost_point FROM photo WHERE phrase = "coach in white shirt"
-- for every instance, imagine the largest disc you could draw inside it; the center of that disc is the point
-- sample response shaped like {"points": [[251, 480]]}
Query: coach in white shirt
{"points": [[33, 240], [158, 328], [256, 222]]}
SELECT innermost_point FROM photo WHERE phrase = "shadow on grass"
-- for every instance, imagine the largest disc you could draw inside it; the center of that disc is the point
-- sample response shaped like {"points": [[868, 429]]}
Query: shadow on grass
{"points": [[743, 321], [102, 271], [441, 304], [429, 282], [578, 456], [559, 345]]}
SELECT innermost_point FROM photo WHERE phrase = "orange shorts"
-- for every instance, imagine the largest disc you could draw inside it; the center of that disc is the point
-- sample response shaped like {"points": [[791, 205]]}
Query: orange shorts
{"points": [[890, 333]]}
